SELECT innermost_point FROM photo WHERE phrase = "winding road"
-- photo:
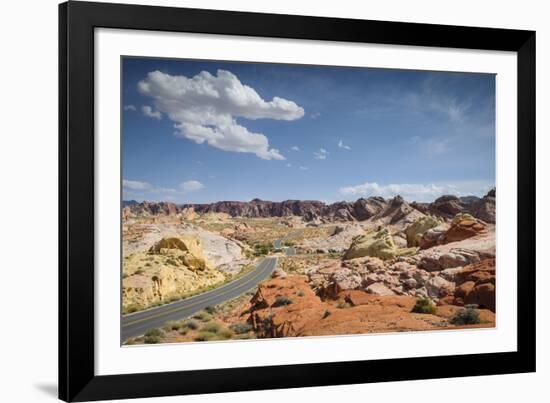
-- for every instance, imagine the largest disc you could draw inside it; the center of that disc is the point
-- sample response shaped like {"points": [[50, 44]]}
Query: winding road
{"points": [[136, 324]]}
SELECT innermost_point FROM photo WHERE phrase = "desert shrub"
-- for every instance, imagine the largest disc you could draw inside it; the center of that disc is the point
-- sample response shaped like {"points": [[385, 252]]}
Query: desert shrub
{"points": [[241, 328], [155, 331], [132, 308], [225, 334], [343, 305], [212, 327], [326, 314], [469, 315], [210, 309], [139, 271], [172, 325], [152, 339], [202, 315], [153, 336], [191, 324], [244, 336], [424, 305], [281, 301], [205, 336], [300, 293], [261, 249]]}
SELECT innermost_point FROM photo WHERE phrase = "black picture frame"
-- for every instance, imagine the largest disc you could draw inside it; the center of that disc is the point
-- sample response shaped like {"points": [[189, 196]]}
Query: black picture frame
{"points": [[77, 21]]}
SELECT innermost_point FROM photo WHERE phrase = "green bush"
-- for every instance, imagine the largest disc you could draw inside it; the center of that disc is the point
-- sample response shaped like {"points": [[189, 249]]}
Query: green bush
{"points": [[155, 331], [202, 315], [205, 336], [173, 325], [424, 305], [469, 315], [281, 301], [300, 293], [132, 308], [241, 328], [212, 327], [225, 334], [153, 336], [152, 339], [213, 331], [210, 309], [191, 324]]}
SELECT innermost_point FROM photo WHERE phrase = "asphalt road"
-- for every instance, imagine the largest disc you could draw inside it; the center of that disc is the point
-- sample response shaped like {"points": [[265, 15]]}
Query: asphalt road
{"points": [[136, 324]]}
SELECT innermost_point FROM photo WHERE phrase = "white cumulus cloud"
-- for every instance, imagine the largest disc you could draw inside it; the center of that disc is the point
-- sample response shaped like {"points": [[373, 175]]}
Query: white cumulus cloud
{"points": [[205, 108], [417, 191], [342, 145], [321, 154], [149, 112], [191, 186], [135, 185]]}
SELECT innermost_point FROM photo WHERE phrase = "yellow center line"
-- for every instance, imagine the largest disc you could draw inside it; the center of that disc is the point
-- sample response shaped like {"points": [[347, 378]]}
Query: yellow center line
{"points": [[260, 273]]}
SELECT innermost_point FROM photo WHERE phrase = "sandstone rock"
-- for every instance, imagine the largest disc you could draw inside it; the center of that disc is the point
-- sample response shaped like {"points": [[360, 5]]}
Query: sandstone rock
{"points": [[416, 230], [278, 273], [446, 206], [189, 214], [438, 287], [464, 289], [482, 295], [310, 316], [437, 261], [485, 208], [451, 274], [376, 244], [398, 213], [462, 227], [432, 236], [379, 289], [339, 241], [185, 248], [476, 285]]}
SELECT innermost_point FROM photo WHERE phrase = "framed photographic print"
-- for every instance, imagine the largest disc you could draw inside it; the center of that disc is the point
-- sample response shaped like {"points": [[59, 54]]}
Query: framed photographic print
{"points": [[257, 201]]}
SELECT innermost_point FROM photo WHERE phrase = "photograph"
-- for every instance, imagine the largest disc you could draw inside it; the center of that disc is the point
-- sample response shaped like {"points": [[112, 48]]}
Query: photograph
{"points": [[265, 200]]}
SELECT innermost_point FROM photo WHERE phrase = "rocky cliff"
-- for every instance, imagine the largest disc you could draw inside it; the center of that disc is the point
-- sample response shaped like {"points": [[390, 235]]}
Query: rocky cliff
{"points": [[376, 208]]}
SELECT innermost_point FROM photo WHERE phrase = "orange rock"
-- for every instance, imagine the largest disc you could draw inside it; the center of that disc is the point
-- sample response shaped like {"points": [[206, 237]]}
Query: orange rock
{"points": [[482, 295], [476, 285], [308, 315], [463, 229]]}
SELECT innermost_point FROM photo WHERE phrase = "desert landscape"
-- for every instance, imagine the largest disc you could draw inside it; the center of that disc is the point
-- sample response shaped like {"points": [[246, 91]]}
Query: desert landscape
{"points": [[244, 270], [264, 200]]}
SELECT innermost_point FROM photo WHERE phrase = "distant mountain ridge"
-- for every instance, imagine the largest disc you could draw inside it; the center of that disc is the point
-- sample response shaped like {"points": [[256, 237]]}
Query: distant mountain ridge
{"points": [[361, 209]]}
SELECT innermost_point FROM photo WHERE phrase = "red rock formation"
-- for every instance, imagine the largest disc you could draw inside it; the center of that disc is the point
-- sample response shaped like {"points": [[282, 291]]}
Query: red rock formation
{"points": [[288, 307], [463, 228], [476, 285]]}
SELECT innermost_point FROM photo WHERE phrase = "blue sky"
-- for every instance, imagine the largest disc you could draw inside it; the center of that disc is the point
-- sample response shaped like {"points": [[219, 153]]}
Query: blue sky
{"points": [[204, 131]]}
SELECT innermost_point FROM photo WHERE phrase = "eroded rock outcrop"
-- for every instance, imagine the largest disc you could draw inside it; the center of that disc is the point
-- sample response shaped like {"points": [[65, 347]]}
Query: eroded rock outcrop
{"points": [[171, 268], [288, 308], [378, 244], [418, 228]]}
